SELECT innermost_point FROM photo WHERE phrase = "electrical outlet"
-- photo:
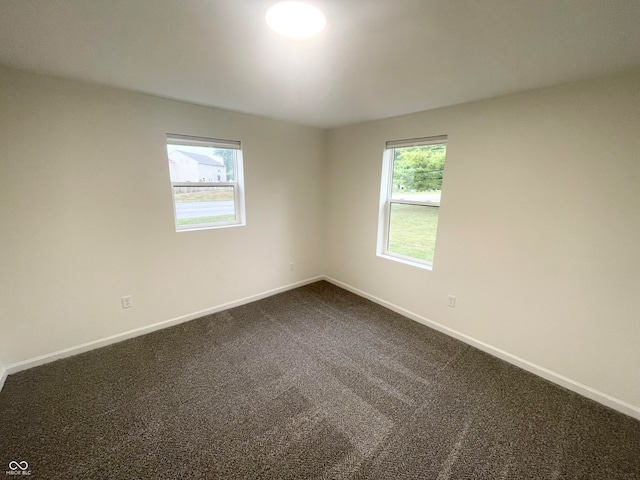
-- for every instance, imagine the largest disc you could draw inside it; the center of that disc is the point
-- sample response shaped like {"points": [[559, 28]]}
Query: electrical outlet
{"points": [[452, 301], [291, 267], [126, 302]]}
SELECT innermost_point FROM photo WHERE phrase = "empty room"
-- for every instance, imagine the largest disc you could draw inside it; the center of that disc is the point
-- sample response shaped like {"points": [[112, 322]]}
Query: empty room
{"points": [[333, 239]]}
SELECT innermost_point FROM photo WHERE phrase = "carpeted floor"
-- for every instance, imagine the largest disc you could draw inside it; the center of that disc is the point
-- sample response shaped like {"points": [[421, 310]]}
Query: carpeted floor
{"points": [[312, 383]]}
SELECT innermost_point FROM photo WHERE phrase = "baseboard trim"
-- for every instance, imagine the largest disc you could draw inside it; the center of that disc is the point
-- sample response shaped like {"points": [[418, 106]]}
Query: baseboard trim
{"points": [[85, 347], [3, 376], [577, 387], [568, 383]]}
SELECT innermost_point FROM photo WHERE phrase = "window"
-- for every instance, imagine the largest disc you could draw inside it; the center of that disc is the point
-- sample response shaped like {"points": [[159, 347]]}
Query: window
{"points": [[206, 181], [412, 175]]}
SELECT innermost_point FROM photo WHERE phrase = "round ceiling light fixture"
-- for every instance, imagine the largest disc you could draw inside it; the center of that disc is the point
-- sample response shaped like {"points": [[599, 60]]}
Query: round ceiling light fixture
{"points": [[295, 19]]}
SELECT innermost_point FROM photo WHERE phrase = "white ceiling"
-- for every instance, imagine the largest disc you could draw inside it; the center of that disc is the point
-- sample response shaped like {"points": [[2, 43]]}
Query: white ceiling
{"points": [[376, 58]]}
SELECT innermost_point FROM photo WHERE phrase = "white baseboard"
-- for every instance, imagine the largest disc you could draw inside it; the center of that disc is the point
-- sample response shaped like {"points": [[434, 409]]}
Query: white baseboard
{"points": [[3, 376], [569, 384], [102, 342], [577, 387]]}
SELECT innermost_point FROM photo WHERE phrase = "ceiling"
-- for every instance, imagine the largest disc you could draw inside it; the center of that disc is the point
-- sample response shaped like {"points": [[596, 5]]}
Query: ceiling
{"points": [[375, 59]]}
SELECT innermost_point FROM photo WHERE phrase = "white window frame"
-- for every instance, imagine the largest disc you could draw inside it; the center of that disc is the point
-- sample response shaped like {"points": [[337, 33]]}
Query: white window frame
{"points": [[386, 190], [238, 184]]}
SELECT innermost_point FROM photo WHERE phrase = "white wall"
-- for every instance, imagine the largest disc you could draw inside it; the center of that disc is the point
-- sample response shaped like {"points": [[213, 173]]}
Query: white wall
{"points": [[87, 216], [539, 233]]}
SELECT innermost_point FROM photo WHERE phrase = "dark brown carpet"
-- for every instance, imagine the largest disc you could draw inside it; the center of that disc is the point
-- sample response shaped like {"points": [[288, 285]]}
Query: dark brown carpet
{"points": [[312, 383]]}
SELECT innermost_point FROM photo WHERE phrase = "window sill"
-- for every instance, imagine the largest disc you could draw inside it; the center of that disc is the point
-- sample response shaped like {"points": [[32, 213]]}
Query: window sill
{"points": [[407, 261], [208, 227]]}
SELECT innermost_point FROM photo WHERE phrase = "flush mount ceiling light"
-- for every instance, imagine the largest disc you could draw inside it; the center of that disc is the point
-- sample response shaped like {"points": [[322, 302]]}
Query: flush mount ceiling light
{"points": [[295, 19]]}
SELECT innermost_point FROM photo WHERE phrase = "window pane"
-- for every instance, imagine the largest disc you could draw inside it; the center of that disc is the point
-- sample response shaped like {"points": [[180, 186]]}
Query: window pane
{"points": [[204, 205], [412, 230], [201, 164], [417, 172]]}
